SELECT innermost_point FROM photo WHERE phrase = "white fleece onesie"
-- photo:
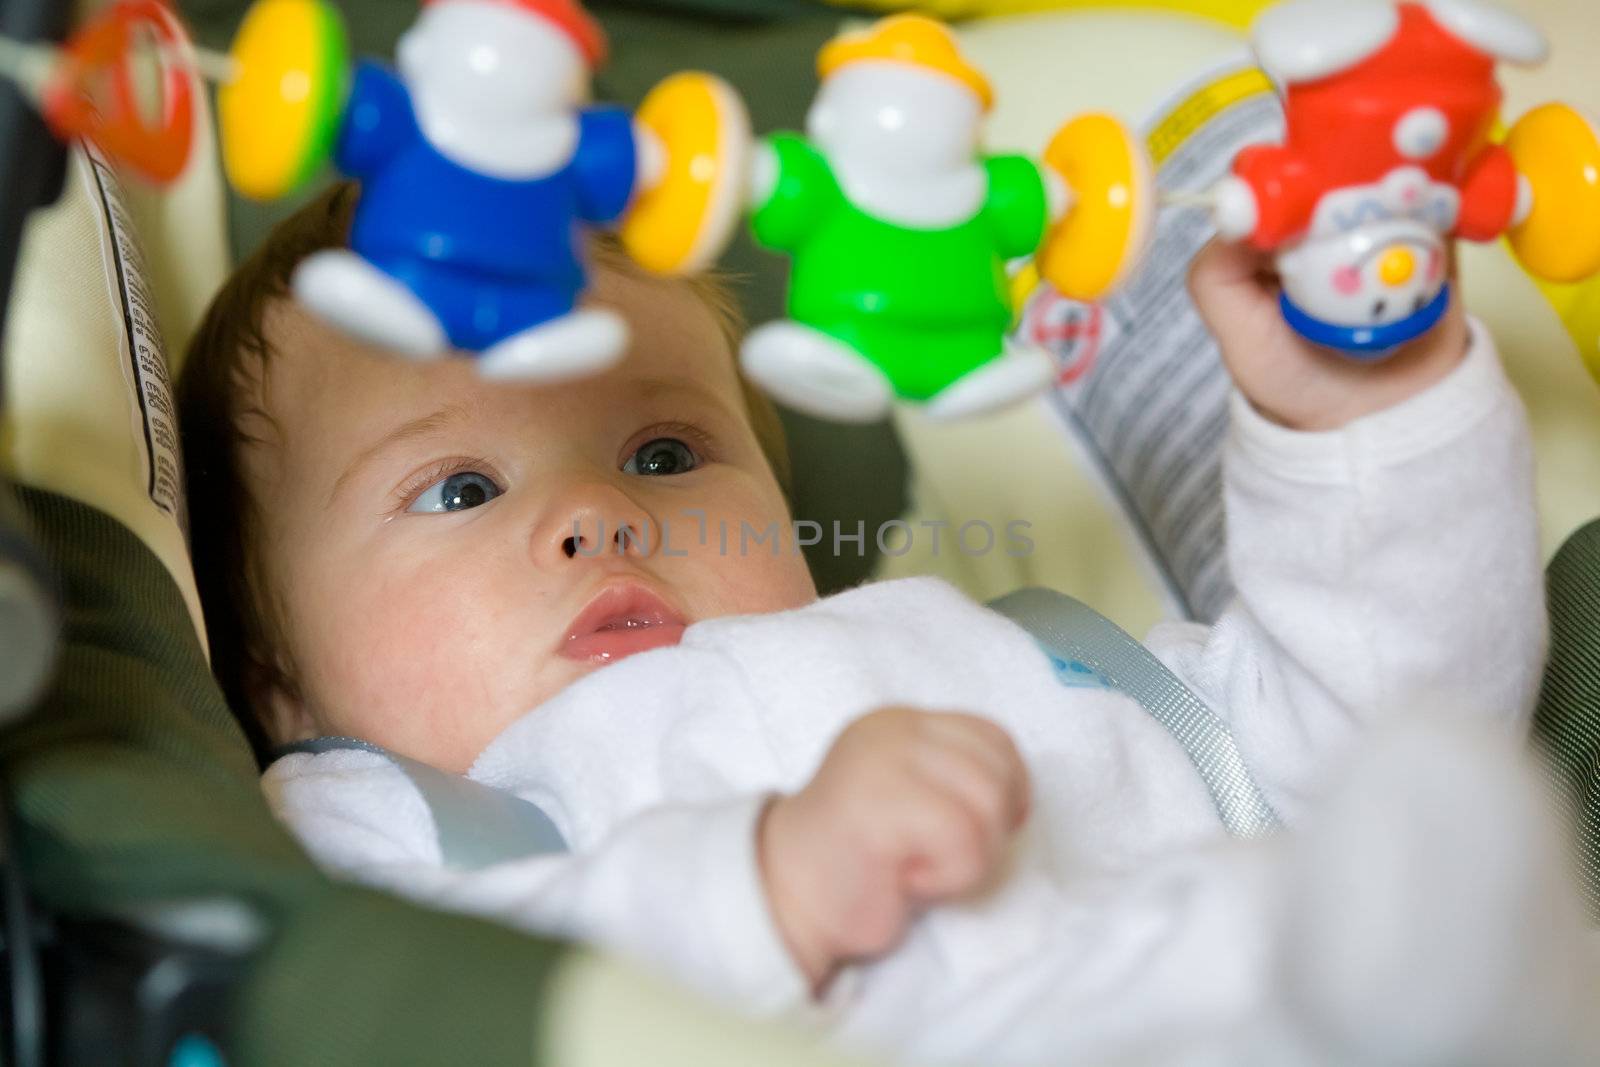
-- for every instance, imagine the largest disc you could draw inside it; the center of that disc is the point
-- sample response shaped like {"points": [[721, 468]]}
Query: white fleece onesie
{"points": [[1386, 567]]}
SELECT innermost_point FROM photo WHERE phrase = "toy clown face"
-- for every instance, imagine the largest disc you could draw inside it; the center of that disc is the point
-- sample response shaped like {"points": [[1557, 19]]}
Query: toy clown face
{"points": [[1371, 275], [897, 116], [491, 59]]}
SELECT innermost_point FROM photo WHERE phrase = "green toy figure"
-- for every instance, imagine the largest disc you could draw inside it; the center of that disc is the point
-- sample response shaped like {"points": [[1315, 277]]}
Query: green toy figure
{"points": [[901, 231]]}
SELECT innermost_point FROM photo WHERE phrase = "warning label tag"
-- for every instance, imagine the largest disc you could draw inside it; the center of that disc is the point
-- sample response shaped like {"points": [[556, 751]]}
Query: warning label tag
{"points": [[1141, 389], [144, 355]]}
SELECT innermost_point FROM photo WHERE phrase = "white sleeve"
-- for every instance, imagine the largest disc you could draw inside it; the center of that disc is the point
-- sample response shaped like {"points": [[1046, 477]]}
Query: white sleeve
{"points": [[1387, 567], [676, 888]]}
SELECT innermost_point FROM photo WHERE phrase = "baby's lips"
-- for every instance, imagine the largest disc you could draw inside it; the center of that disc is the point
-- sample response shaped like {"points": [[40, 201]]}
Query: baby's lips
{"points": [[620, 621]]}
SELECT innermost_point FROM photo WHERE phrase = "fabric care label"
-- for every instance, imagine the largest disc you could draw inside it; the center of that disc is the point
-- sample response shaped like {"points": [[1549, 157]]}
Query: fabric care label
{"points": [[1141, 389], [144, 355]]}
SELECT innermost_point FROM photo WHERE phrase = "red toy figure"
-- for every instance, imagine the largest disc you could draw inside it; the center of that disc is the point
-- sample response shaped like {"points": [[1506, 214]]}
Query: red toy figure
{"points": [[1390, 108]]}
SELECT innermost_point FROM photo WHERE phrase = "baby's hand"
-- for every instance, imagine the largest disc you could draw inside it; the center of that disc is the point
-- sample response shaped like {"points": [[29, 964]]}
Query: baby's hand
{"points": [[1288, 379], [909, 808]]}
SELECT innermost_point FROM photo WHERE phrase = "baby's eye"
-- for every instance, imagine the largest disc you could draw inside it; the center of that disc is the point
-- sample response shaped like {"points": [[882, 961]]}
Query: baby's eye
{"points": [[458, 492], [664, 455]]}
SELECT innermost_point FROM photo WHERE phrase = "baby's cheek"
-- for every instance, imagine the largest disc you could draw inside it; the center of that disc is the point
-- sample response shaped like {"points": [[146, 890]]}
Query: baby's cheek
{"points": [[752, 561], [420, 666], [757, 581]]}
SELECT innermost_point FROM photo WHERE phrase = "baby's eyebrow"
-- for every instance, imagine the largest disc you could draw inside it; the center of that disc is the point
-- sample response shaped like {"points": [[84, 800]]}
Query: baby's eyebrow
{"points": [[406, 431], [656, 386]]}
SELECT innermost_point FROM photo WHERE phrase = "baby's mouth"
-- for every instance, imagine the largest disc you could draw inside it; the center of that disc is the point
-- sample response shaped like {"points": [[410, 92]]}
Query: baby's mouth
{"points": [[619, 622]]}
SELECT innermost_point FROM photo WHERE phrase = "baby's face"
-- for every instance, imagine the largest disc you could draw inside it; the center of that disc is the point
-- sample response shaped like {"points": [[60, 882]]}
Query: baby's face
{"points": [[444, 551]]}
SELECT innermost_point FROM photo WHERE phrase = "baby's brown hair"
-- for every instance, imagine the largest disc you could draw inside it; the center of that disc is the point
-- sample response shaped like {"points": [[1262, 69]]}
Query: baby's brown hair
{"points": [[219, 394]]}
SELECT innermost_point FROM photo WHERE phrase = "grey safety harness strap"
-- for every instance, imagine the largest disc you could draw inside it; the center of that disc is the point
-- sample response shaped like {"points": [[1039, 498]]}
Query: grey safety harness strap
{"points": [[1075, 633], [478, 825]]}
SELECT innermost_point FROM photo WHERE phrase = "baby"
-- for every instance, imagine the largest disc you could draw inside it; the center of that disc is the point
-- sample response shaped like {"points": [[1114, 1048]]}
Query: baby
{"points": [[881, 809]]}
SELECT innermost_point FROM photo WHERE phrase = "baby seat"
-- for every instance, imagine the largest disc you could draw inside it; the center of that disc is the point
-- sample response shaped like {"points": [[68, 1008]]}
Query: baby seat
{"points": [[1566, 725]]}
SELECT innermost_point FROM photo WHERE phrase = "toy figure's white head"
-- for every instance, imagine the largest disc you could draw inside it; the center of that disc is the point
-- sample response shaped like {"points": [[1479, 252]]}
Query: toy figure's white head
{"points": [[896, 115], [900, 97], [496, 59]]}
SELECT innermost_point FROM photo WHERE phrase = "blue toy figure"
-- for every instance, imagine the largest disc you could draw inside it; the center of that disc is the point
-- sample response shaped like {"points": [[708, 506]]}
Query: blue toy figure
{"points": [[477, 166]]}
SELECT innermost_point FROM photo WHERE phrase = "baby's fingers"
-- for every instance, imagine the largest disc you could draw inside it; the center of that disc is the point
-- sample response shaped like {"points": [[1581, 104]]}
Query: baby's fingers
{"points": [[949, 850], [1236, 292], [1228, 277], [978, 758]]}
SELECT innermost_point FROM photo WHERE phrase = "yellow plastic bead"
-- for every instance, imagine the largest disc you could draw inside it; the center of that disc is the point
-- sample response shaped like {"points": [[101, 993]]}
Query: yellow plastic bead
{"points": [[1104, 234], [1557, 150], [682, 223], [279, 115]]}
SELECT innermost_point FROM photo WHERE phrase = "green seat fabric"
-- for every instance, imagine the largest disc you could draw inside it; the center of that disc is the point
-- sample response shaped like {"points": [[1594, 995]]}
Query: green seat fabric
{"points": [[1566, 725], [132, 787]]}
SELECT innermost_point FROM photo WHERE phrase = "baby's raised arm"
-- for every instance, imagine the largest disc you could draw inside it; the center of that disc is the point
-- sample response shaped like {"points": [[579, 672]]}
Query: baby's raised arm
{"points": [[1382, 538]]}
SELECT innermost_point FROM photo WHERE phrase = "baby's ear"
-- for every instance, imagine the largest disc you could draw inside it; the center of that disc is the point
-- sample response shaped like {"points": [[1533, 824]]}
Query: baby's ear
{"points": [[278, 706]]}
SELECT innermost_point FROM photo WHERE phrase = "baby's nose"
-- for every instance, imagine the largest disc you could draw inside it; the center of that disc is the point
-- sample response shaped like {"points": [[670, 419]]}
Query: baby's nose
{"points": [[621, 538], [591, 518]]}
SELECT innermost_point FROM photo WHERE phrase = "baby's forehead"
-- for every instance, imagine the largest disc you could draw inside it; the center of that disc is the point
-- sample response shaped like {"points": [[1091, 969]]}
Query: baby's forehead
{"points": [[315, 376], [671, 320]]}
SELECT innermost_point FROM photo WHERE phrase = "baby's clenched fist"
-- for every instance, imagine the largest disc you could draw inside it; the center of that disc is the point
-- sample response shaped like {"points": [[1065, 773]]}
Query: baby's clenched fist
{"points": [[909, 808]]}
